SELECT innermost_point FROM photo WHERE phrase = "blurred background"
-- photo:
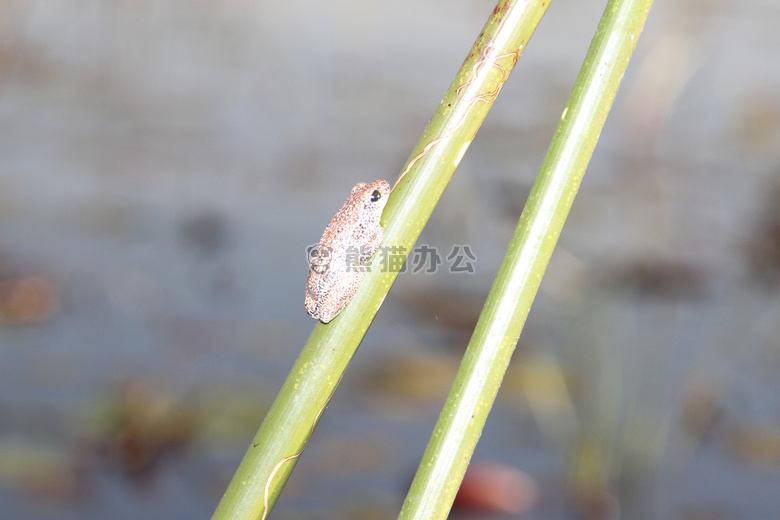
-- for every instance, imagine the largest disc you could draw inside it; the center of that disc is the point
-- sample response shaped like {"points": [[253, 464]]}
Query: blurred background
{"points": [[165, 163]]}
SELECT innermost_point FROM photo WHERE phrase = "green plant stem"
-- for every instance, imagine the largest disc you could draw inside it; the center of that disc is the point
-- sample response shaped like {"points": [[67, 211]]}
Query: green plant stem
{"points": [[487, 356], [286, 429]]}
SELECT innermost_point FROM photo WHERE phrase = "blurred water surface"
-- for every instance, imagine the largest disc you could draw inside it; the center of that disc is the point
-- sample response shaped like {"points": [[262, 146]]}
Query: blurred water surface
{"points": [[165, 163]]}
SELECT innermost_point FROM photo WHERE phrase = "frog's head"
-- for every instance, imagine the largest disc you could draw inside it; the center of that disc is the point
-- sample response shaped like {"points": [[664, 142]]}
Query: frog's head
{"points": [[372, 197]]}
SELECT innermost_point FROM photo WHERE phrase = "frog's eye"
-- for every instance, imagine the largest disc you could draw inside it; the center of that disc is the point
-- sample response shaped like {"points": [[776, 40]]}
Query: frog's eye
{"points": [[375, 196]]}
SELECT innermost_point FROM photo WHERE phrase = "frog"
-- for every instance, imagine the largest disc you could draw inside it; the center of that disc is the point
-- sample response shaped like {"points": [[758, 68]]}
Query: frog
{"points": [[337, 263]]}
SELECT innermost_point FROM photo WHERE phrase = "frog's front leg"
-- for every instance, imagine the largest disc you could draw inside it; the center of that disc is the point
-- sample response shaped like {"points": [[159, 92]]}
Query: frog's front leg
{"points": [[372, 244]]}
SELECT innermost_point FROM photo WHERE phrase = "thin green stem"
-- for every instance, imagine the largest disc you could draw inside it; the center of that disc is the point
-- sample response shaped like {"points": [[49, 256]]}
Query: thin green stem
{"points": [[293, 416], [487, 356]]}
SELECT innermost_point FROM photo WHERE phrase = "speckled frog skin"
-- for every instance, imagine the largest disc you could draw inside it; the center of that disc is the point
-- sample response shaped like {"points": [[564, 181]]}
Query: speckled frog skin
{"points": [[336, 264]]}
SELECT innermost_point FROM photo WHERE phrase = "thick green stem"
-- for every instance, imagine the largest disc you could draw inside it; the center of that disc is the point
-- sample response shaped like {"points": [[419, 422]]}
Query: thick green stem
{"points": [[487, 357], [290, 422]]}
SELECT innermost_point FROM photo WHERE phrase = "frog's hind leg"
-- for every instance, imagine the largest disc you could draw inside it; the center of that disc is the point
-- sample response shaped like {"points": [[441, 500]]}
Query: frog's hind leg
{"points": [[313, 288], [339, 296]]}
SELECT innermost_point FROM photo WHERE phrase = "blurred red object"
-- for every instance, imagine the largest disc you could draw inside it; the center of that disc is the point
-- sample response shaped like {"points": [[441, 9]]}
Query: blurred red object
{"points": [[491, 487], [29, 299]]}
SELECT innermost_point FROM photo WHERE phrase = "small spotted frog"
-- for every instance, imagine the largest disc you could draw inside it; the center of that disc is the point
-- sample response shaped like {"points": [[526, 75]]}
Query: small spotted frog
{"points": [[337, 262]]}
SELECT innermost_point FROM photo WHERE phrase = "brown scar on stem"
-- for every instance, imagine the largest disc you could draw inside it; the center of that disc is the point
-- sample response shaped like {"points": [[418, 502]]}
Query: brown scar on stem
{"points": [[486, 97], [278, 466], [475, 71]]}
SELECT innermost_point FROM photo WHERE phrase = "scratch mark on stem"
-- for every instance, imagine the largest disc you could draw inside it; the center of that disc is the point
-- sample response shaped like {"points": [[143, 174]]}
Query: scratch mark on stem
{"points": [[477, 69], [278, 466]]}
